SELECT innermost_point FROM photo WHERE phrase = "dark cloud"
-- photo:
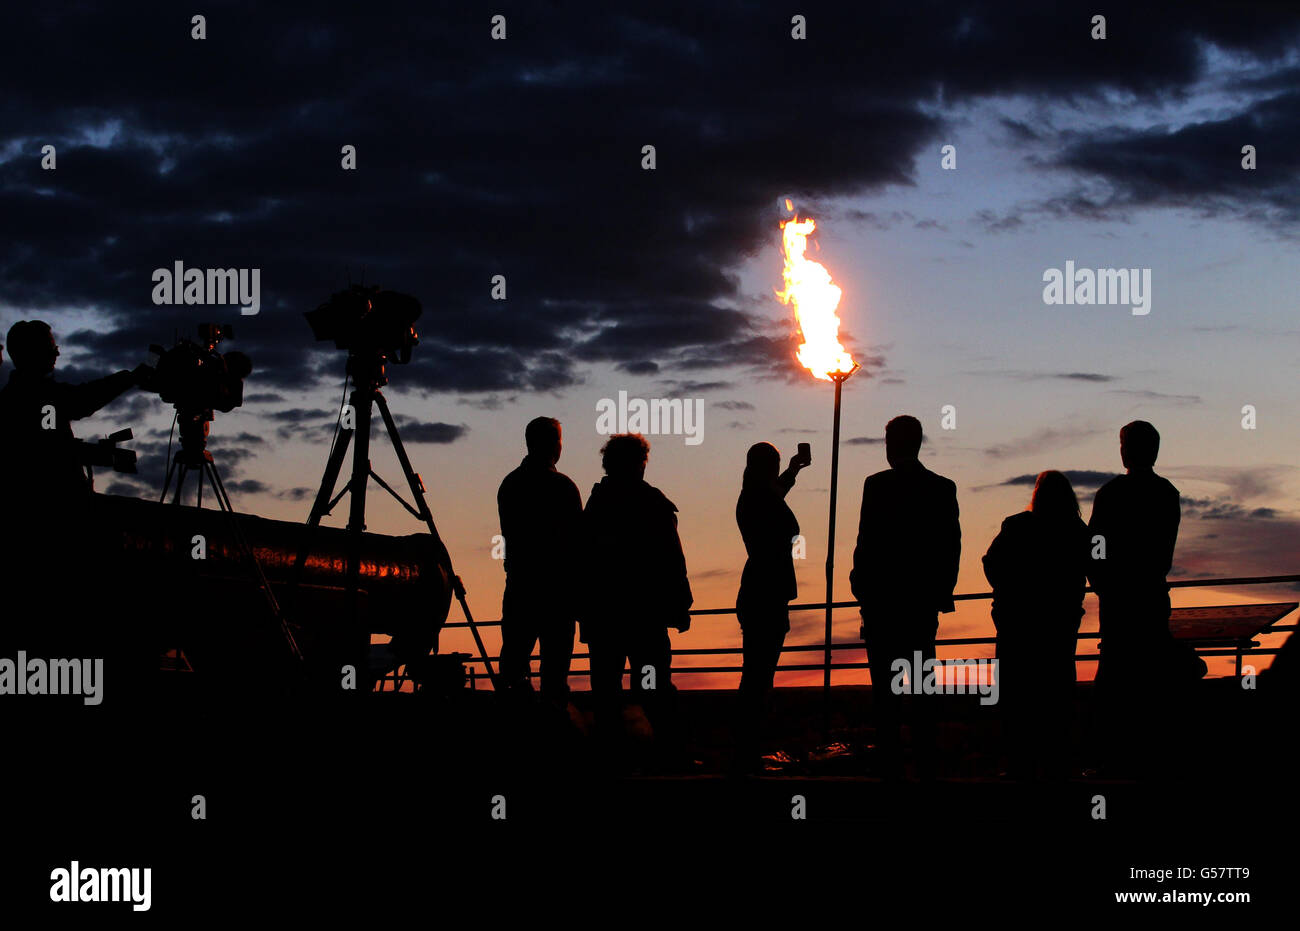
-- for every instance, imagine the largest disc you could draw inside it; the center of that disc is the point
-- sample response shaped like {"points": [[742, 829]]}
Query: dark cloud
{"points": [[696, 387], [1198, 166], [522, 158], [1147, 395], [301, 422], [734, 405], [1079, 478], [1223, 509], [639, 367], [1043, 440], [415, 431]]}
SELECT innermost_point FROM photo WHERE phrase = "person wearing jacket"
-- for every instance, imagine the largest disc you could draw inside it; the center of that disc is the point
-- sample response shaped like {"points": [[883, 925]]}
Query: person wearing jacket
{"points": [[904, 573], [1037, 565], [639, 587], [540, 511]]}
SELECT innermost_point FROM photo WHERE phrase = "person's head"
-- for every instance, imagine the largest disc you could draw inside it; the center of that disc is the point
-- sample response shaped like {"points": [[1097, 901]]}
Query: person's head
{"points": [[624, 455], [1054, 496], [762, 465], [542, 437], [902, 440], [1139, 443], [32, 347]]}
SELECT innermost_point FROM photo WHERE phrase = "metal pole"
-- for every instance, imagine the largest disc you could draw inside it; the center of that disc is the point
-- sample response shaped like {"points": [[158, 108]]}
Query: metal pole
{"points": [[839, 378]]}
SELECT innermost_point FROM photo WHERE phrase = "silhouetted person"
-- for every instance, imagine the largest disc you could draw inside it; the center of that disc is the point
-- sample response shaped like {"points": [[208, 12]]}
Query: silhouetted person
{"points": [[1136, 516], [904, 573], [767, 584], [540, 512], [40, 461], [46, 493], [638, 587], [1037, 565]]}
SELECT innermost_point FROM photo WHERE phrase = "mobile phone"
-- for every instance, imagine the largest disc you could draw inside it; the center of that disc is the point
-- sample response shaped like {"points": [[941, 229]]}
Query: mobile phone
{"points": [[805, 452]]}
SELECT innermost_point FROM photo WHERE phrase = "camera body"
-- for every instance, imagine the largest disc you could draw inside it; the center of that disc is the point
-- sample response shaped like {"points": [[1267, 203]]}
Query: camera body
{"points": [[106, 453], [365, 319], [194, 376]]}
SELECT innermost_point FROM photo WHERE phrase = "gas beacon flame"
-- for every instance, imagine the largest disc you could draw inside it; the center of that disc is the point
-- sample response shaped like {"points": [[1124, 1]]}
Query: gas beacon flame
{"points": [[808, 287]]}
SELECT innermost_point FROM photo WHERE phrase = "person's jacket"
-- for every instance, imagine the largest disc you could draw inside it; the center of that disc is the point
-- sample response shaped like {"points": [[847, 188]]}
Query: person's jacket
{"points": [[636, 567], [1137, 516], [1038, 567], [909, 542], [43, 463], [768, 527], [541, 513]]}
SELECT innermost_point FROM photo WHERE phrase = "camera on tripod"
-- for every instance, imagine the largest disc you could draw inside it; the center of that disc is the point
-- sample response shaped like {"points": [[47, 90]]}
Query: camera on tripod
{"points": [[194, 376], [369, 320]]}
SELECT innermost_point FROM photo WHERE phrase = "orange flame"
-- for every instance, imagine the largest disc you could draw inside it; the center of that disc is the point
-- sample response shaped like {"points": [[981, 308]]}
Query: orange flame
{"points": [[808, 286]]}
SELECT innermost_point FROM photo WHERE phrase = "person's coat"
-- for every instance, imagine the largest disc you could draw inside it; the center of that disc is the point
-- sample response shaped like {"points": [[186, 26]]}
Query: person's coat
{"points": [[637, 569], [909, 544]]}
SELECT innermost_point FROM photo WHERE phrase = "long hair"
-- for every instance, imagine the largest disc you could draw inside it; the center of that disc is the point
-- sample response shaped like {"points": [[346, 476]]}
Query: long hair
{"points": [[1054, 497], [762, 465]]}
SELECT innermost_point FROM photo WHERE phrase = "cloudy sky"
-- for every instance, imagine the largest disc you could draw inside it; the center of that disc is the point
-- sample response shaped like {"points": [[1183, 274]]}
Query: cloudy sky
{"points": [[522, 157]]}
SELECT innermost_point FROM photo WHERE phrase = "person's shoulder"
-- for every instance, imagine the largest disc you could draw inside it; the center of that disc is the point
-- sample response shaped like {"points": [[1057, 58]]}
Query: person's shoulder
{"points": [[1020, 520], [940, 484], [658, 498], [1111, 484], [1166, 487], [562, 479], [881, 478], [513, 477], [942, 481]]}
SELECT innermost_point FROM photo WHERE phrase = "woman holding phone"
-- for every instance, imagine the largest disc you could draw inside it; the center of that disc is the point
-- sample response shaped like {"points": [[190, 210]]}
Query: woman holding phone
{"points": [[767, 585]]}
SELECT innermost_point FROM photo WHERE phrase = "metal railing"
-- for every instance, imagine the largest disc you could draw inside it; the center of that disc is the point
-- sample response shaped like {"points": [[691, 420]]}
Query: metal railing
{"points": [[1238, 648]]}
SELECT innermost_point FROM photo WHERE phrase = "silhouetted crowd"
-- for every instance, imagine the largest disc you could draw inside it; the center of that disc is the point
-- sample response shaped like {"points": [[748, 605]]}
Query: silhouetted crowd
{"points": [[904, 572]]}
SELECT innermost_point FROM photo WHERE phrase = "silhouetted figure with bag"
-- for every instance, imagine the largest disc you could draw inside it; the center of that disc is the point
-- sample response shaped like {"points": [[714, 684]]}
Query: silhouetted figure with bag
{"points": [[904, 573], [541, 513], [767, 585], [637, 587], [1141, 667], [1037, 565]]}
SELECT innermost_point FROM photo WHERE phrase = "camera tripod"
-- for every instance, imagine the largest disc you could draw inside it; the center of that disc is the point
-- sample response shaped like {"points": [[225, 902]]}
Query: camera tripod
{"points": [[194, 457], [367, 373]]}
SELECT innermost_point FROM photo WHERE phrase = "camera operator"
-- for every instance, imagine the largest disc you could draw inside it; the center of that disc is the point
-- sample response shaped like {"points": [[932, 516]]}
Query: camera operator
{"points": [[50, 546], [39, 465]]}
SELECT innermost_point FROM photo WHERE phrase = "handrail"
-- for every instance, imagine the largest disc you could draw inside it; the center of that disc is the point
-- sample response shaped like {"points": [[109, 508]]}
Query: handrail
{"points": [[1245, 647]]}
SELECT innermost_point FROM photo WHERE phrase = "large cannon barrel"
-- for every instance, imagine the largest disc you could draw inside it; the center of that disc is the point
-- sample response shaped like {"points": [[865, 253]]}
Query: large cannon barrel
{"points": [[200, 592]]}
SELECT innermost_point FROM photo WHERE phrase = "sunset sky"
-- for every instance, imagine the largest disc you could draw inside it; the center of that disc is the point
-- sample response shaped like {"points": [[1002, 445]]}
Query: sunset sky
{"points": [[523, 158]]}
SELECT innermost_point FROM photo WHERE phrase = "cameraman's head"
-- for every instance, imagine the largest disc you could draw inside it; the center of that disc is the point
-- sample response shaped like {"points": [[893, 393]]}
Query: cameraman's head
{"points": [[31, 347]]}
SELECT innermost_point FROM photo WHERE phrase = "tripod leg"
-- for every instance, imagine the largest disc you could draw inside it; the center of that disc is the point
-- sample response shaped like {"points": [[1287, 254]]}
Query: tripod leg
{"points": [[323, 496], [359, 648], [171, 470], [417, 492], [241, 542], [181, 472]]}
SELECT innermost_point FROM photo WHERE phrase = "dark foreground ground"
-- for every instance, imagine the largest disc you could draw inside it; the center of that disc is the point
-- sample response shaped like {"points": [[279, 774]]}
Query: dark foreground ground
{"points": [[392, 809]]}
